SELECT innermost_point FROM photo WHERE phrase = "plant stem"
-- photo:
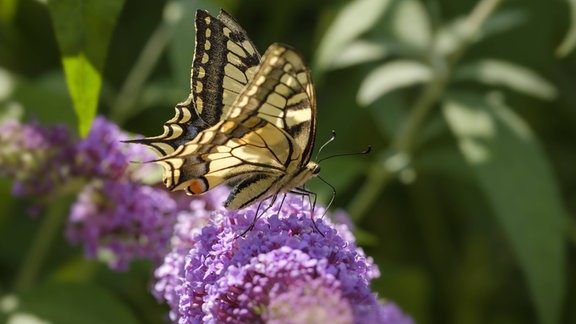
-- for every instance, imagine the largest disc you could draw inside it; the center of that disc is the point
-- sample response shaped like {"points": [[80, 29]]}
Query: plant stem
{"points": [[404, 143], [43, 241]]}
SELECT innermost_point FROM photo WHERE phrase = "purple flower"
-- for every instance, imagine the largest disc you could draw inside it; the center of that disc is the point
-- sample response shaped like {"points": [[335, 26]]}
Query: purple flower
{"points": [[115, 215], [37, 157], [103, 154], [189, 224], [391, 313], [316, 301], [282, 264], [43, 159], [121, 220]]}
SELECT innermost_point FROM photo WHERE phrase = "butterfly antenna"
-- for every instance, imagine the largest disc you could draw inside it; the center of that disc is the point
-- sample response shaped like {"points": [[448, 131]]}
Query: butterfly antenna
{"points": [[333, 137], [366, 151]]}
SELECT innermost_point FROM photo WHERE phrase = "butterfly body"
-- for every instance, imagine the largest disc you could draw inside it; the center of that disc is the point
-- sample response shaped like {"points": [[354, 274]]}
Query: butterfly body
{"points": [[252, 125]]}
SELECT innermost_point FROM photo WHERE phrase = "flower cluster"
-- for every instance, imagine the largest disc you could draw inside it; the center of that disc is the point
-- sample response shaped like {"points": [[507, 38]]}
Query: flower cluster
{"points": [[282, 262], [188, 226], [285, 269], [119, 221], [102, 154], [35, 156], [115, 216]]}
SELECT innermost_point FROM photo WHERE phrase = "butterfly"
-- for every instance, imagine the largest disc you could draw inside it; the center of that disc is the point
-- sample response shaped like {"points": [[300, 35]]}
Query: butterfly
{"points": [[251, 123]]}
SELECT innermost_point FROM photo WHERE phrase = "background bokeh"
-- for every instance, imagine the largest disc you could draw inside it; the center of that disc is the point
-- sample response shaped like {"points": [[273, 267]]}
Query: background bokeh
{"points": [[466, 202]]}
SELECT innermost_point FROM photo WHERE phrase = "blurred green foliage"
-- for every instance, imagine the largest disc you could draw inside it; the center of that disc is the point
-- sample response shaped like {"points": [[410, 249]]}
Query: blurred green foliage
{"points": [[466, 202]]}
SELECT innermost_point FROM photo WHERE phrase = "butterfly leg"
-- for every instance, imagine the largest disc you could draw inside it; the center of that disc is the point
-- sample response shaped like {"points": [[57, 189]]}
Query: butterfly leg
{"points": [[313, 198], [257, 215], [281, 203]]}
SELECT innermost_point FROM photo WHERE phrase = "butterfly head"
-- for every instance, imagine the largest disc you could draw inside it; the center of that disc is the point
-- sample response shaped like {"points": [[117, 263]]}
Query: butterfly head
{"points": [[310, 170], [314, 167]]}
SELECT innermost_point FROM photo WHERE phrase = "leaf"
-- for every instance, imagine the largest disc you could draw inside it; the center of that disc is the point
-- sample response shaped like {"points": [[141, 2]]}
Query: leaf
{"points": [[514, 174], [7, 11], [502, 73], [569, 42], [452, 34], [390, 76], [73, 303], [353, 20], [358, 52], [83, 29], [411, 25]]}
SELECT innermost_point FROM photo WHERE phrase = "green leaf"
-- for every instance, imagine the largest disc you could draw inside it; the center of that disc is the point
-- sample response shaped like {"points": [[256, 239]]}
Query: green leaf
{"points": [[390, 76], [358, 52], [502, 73], [7, 11], [353, 20], [513, 172], [452, 34], [73, 303], [83, 30], [569, 42], [411, 25]]}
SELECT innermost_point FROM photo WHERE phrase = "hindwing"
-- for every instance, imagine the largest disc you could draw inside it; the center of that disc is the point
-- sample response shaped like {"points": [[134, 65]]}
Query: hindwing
{"points": [[281, 92], [224, 61]]}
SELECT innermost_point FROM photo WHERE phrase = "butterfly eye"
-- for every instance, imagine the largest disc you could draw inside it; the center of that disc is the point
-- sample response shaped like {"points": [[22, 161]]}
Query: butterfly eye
{"points": [[316, 169]]}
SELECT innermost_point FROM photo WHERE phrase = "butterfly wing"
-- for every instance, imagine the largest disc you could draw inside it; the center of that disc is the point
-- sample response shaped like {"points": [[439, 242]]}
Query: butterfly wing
{"points": [[260, 143], [282, 93], [231, 150], [224, 60]]}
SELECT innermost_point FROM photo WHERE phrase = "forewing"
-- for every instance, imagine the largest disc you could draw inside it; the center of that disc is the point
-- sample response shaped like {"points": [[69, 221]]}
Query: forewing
{"points": [[224, 60], [281, 92]]}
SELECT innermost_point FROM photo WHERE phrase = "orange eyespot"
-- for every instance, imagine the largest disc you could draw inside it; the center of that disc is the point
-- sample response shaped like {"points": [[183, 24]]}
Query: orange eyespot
{"points": [[197, 186]]}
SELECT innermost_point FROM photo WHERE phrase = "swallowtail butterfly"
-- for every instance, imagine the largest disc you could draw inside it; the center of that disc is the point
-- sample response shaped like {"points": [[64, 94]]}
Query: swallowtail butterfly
{"points": [[249, 121]]}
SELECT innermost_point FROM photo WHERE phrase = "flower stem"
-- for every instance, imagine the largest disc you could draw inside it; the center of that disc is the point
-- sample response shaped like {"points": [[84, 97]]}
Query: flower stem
{"points": [[43, 241], [404, 143]]}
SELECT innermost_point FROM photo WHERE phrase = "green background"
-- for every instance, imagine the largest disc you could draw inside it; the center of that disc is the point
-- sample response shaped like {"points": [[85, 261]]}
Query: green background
{"points": [[466, 201]]}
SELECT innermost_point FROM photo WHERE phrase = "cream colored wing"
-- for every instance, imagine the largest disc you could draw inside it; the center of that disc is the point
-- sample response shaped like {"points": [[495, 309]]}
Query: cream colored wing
{"points": [[224, 61], [263, 144], [232, 150], [281, 92]]}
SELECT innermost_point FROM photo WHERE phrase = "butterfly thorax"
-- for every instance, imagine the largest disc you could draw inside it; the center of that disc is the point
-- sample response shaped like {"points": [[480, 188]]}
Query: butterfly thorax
{"points": [[299, 177]]}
